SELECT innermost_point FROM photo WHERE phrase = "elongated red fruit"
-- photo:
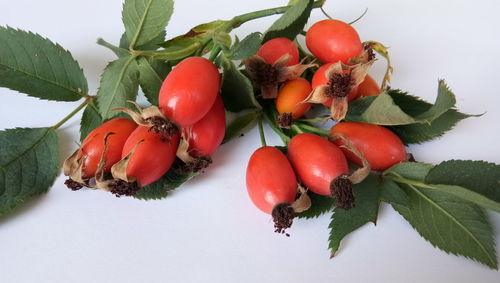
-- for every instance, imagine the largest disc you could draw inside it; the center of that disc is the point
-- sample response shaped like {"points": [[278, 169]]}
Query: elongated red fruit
{"points": [[333, 40], [153, 156], [316, 161], [270, 179], [381, 147], [207, 134], [189, 91], [93, 145], [273, 49]]}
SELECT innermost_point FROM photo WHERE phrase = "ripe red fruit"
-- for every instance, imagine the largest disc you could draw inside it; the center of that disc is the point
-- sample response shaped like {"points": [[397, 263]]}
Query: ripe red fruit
{"points": [[152, 157], [368, 87], [273, 49], [207, 134], [93, 145], [381, 147], [272, 187], [320, 78], [189, 91], [333, 40], [270, 179], [291, 94], [317, 162]]}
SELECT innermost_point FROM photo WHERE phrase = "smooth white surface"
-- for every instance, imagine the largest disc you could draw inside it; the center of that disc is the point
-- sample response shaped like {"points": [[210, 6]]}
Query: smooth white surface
{"points": [[209, 231]]}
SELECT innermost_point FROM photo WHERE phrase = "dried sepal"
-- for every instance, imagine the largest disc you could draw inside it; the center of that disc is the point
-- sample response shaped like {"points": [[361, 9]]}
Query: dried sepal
{"points": [[338, 109], [99, 181], [303, 202], [267, 77], [317, 95], [192, 164], [151, 117], [119, 169], [383, 51], [73, 168], [361, 173]]}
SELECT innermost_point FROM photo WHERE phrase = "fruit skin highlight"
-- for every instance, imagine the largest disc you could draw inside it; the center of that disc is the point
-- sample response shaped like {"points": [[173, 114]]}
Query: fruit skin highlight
{"points": [[381, 147], [189, 91]]}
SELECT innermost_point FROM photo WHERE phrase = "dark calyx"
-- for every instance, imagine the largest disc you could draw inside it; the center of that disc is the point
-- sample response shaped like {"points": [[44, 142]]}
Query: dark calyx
{"points": [[285, 120], [341, 190], [197, 164], [163, 126], [73, 185], [283, 216], [369, 50], [339, 85], [123, 188], [263, 73]]}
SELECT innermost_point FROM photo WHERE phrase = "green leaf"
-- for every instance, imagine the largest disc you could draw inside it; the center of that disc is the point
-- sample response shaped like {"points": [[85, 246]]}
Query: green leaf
{"points": [[444, 101], [34, 65], [319, 205], [419, 133], [291, 23], [162, 187], [476, 181], [28, 165], [91, 119], [154, 44], [386, 109], [450, 224], [391, 192], [238, 125], [247, 47], [152, 73], [119, 83], [237, 90], [144, 20], [367, 202], [409, 170]]}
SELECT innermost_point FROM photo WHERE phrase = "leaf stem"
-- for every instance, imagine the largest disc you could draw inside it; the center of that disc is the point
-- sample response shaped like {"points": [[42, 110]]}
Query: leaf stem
{"points": [[77, 109], [261, 133], [313, 129]]}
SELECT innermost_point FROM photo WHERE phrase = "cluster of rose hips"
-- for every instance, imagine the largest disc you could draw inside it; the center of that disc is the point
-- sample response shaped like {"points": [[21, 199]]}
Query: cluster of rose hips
{"points": [[123, 155], [276, 180]]}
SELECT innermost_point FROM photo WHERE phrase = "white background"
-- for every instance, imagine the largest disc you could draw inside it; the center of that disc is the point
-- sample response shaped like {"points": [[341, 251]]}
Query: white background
{"points": [[209, 231]]}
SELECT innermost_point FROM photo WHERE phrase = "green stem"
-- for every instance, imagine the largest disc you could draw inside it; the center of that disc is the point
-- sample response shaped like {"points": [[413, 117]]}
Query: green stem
{"points": [[261, 133], [241, 19], [313, 129], [297, 129], [325, 13], [77, 109], [214, 53]]}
